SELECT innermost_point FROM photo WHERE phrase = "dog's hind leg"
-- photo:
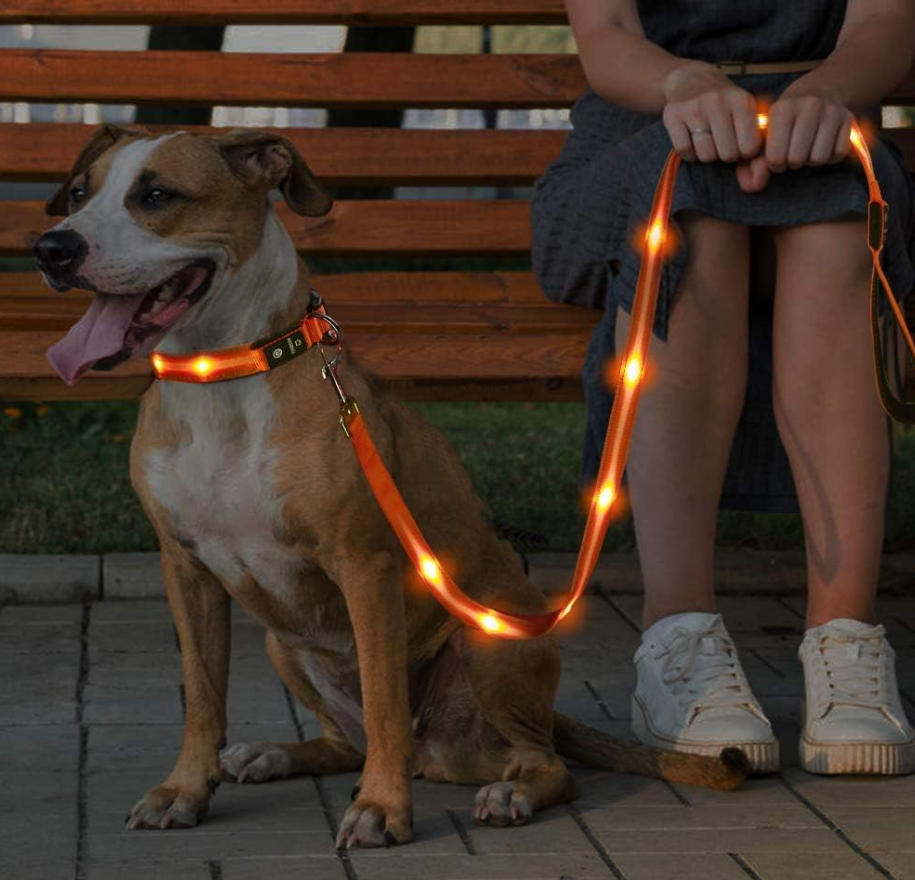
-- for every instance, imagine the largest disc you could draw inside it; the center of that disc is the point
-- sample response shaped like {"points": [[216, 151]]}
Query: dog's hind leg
{"points": [[514, 683], [261, 762]]}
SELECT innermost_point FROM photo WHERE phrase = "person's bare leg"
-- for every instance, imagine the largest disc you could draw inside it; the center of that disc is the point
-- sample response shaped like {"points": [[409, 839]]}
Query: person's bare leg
{"points": [[687, 417], [828, 414]]}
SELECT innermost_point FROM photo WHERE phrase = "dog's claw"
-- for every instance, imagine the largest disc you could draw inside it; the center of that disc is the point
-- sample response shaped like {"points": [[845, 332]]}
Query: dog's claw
{"points": [[165, 807], [254, 762], [500, 804], [366, 824], [176, 818]]}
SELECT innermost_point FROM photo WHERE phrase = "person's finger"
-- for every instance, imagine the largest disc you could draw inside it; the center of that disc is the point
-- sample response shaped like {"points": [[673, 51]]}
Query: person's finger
{"points": [[843, 141], [753, 174], [760, 171], [778, 138], [803, 133], [678, 132], [704, 144], [723, 134], [700, 132], [824, 141], [746, 127]]}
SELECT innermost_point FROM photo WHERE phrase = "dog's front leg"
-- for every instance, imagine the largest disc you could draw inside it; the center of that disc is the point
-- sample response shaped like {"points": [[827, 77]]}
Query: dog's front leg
{"points": [[382, 814], [201, 609]]}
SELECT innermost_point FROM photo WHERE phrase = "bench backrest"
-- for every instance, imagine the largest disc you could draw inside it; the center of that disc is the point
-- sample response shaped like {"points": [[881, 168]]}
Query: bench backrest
{"points": [[499, 317]]}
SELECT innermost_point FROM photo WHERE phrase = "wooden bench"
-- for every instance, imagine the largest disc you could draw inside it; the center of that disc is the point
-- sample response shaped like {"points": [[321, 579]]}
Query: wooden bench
{"points": [[456, 335]]}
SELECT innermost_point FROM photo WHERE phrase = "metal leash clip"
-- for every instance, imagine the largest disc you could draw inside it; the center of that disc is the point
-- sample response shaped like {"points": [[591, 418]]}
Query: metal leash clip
{"points": [[334, 336]]}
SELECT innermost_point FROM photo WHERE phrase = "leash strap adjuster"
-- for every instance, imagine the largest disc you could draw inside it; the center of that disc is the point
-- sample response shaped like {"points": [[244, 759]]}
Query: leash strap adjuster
{"points": [[349, 409], [876, 224]]}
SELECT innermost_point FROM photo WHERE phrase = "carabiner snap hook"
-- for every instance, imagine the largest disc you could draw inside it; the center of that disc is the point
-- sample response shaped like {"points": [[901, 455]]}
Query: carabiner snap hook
{"points": [[334, 336]]}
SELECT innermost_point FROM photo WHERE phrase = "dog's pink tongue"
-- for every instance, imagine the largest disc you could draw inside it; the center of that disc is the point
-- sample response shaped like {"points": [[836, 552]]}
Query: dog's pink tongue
{"points": [[98, 334]]}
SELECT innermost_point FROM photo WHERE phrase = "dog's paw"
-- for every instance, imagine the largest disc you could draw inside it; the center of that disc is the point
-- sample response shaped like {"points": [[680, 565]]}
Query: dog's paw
{"points": [[254, 762], [167, 807], [500, 805], [366, 823]]}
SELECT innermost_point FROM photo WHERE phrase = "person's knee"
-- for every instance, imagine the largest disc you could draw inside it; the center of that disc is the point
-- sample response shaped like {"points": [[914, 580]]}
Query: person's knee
{"points": [[717, 252], [707, 235], [831, 258], [712, 290]]}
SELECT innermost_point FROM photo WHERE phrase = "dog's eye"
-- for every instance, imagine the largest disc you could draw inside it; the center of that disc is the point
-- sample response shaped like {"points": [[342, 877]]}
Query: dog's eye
{"points": [[77, 194], [157, 196]]}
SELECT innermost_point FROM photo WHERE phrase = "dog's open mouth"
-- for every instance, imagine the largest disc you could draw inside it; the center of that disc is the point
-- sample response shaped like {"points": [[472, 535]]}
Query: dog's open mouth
{"points": [[117, 327]]}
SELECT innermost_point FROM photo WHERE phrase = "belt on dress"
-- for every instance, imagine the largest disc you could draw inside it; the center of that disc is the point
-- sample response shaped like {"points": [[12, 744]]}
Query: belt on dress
{"points": [[744, 68]]}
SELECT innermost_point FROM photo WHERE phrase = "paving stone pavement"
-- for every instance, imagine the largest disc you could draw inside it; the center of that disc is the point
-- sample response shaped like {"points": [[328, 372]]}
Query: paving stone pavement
{"points": [[90, 718]]}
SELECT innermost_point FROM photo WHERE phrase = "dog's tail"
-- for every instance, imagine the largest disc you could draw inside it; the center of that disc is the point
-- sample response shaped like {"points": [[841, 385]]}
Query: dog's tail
{"points": [[597, 749]]}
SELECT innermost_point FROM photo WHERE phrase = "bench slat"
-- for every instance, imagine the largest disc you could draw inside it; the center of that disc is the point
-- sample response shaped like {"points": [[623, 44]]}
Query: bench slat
{"points": [[376, 12], [443, 228], [58, 312], [399, 288], [313, 79], [25, 315], [339, 156]]}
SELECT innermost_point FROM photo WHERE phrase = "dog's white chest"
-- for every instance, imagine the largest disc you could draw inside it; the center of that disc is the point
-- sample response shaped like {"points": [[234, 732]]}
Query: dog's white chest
{"points": [[218, 486]]}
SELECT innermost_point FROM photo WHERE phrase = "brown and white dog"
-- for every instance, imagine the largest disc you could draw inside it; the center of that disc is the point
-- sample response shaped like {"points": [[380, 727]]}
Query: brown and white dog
{"points": [[255, 494]]}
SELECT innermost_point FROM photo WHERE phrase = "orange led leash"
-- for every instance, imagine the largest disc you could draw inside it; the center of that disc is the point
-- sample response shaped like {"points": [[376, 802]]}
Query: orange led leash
{"points": [[619, 429], [225, 364]]}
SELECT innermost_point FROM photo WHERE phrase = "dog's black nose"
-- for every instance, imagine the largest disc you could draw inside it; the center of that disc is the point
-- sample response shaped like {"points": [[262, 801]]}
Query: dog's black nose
{"points": [[60, 249]]}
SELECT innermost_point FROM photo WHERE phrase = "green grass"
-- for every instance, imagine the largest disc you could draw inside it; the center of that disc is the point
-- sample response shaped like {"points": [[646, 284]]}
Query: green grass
{"points": [[64, 484]]}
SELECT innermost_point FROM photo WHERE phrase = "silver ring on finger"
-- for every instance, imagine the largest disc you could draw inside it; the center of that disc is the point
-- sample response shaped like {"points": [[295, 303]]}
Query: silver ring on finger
{"points": [[694, 131]]}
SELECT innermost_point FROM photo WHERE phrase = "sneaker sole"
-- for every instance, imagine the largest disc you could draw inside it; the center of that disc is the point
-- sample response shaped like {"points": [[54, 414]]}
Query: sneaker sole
{"points": [[877, 759], [763, 756]]}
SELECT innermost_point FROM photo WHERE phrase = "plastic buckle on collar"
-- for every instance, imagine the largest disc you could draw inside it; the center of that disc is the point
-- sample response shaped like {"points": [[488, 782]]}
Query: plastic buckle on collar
{"points": [[284, 349]]}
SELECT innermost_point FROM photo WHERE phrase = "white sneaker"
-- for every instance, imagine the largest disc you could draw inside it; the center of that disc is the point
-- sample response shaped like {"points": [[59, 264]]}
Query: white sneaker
{"points": [[692, 694], [853, 717]]}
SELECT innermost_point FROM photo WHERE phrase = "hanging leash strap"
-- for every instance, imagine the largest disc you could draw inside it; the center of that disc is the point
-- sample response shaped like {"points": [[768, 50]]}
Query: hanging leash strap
{"points": [[901, 410], [318, 328], [622, 418]]}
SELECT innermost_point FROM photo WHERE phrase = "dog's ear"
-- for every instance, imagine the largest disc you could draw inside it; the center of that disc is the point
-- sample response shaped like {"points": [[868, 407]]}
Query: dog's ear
{"points": [[103, 139], [272, 161]]}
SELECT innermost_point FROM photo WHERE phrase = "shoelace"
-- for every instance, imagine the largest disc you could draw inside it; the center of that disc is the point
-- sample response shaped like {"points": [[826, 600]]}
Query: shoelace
{"points": [[719, 668], [852, 663]]}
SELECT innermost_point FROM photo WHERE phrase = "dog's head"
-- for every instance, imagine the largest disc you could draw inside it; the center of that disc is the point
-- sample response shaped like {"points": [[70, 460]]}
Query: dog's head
{"points": [[153, 224]]}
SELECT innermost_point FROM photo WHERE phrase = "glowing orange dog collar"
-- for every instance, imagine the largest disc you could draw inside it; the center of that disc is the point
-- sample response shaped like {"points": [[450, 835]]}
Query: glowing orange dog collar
{"points": [[246, 360]]}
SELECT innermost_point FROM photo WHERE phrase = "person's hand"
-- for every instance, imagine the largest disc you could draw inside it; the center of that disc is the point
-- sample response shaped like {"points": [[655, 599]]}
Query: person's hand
{"points": [[708, 118], [808, 125]]}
